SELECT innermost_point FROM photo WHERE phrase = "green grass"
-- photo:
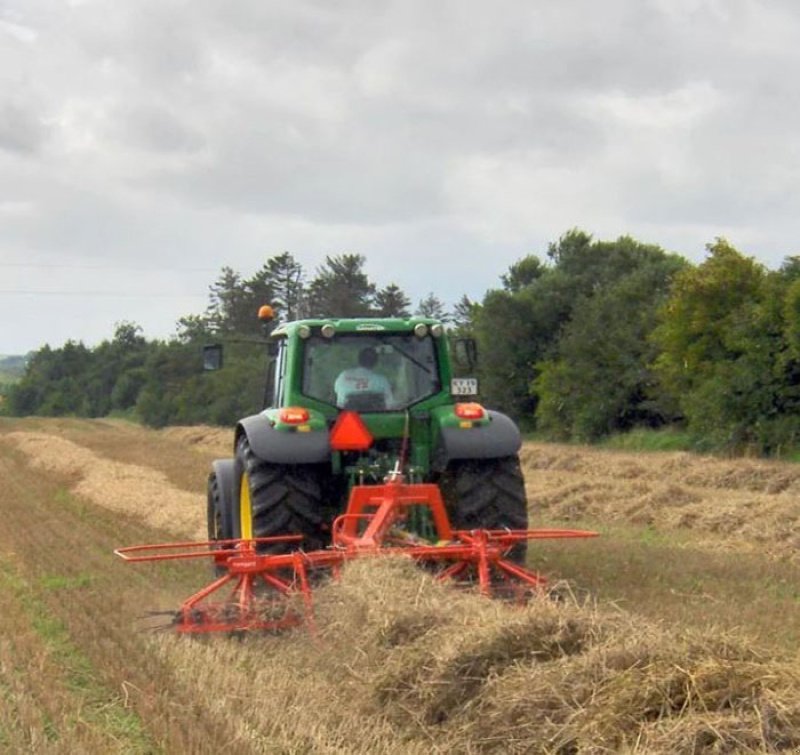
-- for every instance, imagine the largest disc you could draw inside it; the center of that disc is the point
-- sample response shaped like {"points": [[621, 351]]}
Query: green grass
{"points": [[536, 436], [668, 439], [63, 582], [128, 415], [675, 578], [791, 454], [103, 708], [642, 439]]}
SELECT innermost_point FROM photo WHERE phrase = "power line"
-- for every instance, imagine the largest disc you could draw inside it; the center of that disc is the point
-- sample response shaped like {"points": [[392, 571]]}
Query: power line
{"points": [[127, 294], [47, 266]]}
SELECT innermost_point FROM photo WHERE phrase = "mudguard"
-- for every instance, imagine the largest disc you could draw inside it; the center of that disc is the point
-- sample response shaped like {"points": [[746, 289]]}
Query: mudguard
{"points": [[223, 470], [499, 438], [282, 447]]}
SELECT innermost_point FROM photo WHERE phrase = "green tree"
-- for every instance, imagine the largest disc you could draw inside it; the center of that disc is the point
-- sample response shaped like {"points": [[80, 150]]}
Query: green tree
{"points": [[520, 327], [522, 273], [126, 355], [463, 317], [514, 331], [194, 329], [232, 304], [696, 322], [284, 278], [55, 383], [391, 301], [172, 392], [177, 391], [599, 380], [726, 353], [341, 288], [432, 306]]}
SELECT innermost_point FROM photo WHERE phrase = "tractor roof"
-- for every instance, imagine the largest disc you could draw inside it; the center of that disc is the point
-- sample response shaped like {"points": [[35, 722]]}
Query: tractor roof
{"points": [[357, 325]]}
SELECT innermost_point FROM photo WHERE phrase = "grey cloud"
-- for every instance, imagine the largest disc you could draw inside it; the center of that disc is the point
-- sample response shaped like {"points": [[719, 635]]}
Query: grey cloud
{"points": [[154, 128], [346, 183], [22, 129], [450, 137]]}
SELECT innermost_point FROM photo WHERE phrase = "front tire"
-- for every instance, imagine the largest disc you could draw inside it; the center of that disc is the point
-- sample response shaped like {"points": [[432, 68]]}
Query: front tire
{"points": [[220, 500], [219, 510], [278, 499], [487, 494]]}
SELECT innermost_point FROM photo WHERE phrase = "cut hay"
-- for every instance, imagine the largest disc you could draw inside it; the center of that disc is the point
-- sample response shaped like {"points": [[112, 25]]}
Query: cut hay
{"points": [[403, 665], [745, 504], [142, 492], [217, 440]]}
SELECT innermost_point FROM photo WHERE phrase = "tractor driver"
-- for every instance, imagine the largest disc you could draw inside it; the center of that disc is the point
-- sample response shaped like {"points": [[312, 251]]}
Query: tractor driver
{"points": [[363, 380]]}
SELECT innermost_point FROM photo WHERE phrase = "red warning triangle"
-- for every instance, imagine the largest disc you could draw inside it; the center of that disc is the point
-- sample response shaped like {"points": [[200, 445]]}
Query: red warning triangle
{"points": [[350, 433]]}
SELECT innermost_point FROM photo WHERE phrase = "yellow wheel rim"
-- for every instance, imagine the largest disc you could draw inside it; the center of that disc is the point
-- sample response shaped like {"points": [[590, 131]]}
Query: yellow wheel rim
{"points": [[245, 508]]}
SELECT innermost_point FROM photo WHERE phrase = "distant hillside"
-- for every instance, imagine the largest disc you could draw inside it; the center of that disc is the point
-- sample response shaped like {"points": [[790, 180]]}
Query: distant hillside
{"points": [[12, 368]]}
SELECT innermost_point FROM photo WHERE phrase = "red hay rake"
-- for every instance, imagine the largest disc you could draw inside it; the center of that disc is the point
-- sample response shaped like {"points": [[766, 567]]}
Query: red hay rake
{"points": [[273, 591]]}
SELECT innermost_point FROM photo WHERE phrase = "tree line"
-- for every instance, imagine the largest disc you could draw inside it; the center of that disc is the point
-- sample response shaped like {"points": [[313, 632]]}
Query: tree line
{"points": [[590, 339], [161, 382]]}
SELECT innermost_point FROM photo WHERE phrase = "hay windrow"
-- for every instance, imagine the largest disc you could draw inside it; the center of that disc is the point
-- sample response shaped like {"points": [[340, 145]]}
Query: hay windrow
{"points": [[218, 440], [128, 488], [554, 677], [744, 503], [480, 676]]}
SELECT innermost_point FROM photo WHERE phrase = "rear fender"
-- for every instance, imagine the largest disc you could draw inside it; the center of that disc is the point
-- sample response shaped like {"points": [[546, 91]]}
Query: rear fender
{"points": [[283, 446], [498, 438]]}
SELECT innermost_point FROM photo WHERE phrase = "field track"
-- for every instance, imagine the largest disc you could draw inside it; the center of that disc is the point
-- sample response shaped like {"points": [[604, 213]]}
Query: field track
{"points": [[691, 646]]}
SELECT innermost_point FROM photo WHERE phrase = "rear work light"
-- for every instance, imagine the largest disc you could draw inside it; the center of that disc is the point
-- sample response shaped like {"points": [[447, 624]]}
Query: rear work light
{"points": [[293, 415], [469, 411]]}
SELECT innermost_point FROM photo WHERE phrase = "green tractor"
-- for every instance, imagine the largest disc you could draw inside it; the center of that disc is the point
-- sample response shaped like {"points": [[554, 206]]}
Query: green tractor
{"points": [[290, 475]]}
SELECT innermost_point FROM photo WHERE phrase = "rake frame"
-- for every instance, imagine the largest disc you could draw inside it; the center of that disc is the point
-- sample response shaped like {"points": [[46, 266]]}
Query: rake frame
{"points": [[368, 529]]}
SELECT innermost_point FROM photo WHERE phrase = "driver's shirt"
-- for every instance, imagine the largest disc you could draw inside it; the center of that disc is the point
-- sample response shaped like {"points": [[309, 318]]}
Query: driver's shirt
{"points": [[362, 380]]}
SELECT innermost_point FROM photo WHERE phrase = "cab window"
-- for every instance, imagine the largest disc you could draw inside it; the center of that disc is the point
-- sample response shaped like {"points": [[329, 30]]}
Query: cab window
{"points": [[404, 366]]}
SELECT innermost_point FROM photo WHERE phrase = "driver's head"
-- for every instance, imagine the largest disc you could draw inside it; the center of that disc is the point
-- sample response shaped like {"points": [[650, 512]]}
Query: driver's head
{"points": [[367, 357]]}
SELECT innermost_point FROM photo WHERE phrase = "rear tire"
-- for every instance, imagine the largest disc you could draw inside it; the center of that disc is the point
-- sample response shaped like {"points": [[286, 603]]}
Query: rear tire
{"points": [[279, 499], [487, 494]]}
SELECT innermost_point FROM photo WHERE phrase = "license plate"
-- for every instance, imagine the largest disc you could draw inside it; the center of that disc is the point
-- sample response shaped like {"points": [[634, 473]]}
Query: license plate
{"points": [[464, 386]]}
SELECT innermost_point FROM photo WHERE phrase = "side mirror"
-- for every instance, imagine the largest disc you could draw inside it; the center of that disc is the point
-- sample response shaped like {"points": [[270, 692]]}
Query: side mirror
{"points": [[212, 357], [465, 351]]}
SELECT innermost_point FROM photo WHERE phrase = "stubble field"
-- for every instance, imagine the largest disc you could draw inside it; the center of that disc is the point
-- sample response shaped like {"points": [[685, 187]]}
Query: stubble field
{"points": [[681, 636]]}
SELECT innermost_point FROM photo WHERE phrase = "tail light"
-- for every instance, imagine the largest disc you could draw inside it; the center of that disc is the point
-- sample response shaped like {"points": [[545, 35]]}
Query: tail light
{"points": [[469, 411], [293, 415]]}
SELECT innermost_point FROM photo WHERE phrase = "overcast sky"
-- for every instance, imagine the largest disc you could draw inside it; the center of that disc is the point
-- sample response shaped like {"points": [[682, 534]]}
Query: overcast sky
{"points": [[144, 144]]}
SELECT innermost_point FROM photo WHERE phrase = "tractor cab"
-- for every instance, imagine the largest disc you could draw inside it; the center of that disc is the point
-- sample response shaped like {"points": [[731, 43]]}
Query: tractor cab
{"points": [[372, 366]]}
